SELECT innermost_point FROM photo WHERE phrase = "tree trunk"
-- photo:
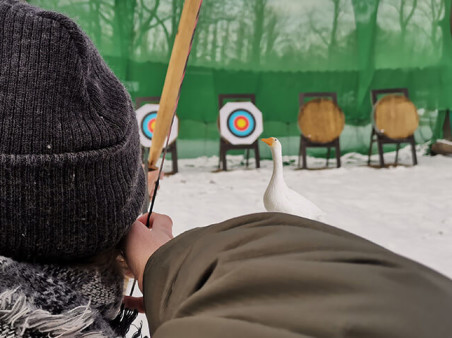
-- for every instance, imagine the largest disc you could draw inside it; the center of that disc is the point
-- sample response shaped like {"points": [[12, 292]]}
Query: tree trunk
{"points": [[176, 10], [258, 31], [271, 36], [225, 44], [240, 40], [333, 38], [213, 45], [124, 30], [366, 23]]}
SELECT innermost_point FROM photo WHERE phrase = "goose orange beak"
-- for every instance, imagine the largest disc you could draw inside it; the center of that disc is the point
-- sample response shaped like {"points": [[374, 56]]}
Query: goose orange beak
{"points": [[269, 141]]}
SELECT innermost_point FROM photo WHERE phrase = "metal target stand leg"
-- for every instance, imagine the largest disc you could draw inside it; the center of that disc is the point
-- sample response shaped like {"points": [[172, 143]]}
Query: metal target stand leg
{"points": [[328, 153], [380, 151], [257, 154], [172, 148], [338, 153], [371, 144], [397, 153], [413, 149]]}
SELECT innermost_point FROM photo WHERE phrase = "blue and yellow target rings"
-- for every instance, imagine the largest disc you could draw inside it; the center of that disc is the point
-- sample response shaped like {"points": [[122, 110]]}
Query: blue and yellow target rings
{"points": [[148, 124], [241, 123]]}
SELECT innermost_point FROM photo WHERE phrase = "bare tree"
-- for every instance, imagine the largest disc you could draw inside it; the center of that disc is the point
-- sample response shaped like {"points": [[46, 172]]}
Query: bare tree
{"points": [[176, 11], [327, 35], [214, 42], [209, 41], [146, 20], [225, 42], [333, 36], [95, 24], [271, 34], [404, 18], [241, 40], [366, 25], [124, 25], [437, 10], [258, 30], [320, 33], [405, 14]]}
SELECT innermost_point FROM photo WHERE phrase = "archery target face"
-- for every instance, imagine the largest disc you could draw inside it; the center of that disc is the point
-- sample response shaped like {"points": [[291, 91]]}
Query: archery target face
{"points": [[146, 117], [240, 122]]}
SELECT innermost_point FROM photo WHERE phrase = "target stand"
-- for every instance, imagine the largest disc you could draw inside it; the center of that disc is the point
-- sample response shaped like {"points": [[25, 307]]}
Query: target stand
{"points": [[240, 125], [146, 116]]}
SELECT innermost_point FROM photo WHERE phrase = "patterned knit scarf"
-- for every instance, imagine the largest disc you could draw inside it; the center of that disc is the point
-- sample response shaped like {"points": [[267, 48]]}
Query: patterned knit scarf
{"points": [[39, 300]]}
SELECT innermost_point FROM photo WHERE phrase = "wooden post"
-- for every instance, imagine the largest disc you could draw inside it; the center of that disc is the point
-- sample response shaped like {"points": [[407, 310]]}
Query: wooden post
{"points": [[174, 77]]}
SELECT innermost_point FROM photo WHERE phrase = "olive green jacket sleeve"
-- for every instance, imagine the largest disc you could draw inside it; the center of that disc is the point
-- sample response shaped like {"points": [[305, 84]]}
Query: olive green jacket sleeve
{"points": [[276, 275]]}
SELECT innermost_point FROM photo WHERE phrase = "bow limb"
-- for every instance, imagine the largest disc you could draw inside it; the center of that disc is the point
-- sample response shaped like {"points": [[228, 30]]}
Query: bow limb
{"points": [[174, 78]]}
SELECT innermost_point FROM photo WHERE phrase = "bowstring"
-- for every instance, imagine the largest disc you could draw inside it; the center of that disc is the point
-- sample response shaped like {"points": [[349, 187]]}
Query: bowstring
{"points": [[156, 186]]}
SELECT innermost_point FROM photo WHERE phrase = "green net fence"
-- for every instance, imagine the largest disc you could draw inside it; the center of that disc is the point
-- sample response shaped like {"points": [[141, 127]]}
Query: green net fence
{"points": [[277, 49]]}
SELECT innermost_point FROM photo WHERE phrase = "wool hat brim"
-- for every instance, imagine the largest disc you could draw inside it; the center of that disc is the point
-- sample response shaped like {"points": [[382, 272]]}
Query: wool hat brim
{"points": [[69, 206]]}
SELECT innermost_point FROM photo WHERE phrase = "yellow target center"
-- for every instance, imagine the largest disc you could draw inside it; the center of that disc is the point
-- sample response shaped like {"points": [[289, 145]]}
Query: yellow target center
{"points": [[152, 125], [241, 123]]}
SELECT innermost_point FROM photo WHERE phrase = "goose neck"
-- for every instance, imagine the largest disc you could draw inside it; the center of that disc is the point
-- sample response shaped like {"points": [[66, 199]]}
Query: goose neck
{"points": [[277, 166]]}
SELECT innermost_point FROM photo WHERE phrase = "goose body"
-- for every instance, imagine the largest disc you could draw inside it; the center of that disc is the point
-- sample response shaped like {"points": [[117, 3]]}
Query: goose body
{"points": [[279, 197]]}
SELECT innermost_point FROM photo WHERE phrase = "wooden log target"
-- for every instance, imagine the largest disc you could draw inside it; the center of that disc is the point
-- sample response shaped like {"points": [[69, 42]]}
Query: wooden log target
{"points": [[321, 120], [240, 122], [395, 116], [147, 117]]}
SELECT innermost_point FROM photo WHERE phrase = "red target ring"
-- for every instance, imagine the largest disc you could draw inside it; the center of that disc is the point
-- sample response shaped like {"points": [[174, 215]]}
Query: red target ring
{"points": [[151, 125], [148, 124], [241, 123]]}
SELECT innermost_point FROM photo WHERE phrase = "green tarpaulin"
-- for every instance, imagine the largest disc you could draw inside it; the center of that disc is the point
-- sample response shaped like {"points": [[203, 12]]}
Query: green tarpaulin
{"points": [[277, 49]]}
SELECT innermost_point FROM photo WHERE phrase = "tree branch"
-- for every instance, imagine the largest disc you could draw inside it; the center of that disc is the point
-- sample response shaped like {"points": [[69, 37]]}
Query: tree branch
{"points": [[411, 12], [319, 33], [145, 26]]}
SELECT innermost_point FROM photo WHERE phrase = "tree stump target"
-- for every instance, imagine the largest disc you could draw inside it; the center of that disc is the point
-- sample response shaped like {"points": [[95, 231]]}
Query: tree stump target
{"points": [[395, 116], [395, 120], [321, 120]]}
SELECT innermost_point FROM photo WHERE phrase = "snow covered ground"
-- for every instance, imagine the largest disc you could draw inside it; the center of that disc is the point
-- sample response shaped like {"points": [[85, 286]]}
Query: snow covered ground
{"points": [[405, 209]]}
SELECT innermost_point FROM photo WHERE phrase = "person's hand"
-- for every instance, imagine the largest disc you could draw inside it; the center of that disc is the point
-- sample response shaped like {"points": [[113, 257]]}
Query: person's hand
{"points": [[140, 243]]}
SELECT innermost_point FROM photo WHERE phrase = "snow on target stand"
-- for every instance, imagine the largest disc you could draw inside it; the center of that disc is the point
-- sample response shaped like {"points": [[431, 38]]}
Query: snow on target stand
{"points": [[240, 125], [146, 116]]}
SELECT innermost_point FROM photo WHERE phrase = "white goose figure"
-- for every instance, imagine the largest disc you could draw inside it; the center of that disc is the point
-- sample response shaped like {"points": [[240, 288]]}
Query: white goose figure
{"points": [[279, 197]]}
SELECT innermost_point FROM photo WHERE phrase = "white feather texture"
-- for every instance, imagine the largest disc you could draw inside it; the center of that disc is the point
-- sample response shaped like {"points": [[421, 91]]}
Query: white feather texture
{"points": [[279, 197]]}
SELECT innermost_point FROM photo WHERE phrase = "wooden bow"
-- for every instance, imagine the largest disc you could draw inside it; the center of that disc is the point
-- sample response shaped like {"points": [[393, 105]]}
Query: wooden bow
{"points": [[170, 94]]}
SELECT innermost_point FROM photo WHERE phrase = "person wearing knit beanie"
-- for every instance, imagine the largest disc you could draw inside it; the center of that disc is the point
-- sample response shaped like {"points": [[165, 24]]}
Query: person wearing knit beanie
{"points": [[71, 180]]}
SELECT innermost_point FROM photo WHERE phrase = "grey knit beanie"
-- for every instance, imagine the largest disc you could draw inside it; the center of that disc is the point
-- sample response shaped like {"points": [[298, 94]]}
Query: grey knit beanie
{"points": [[71, 182]]}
